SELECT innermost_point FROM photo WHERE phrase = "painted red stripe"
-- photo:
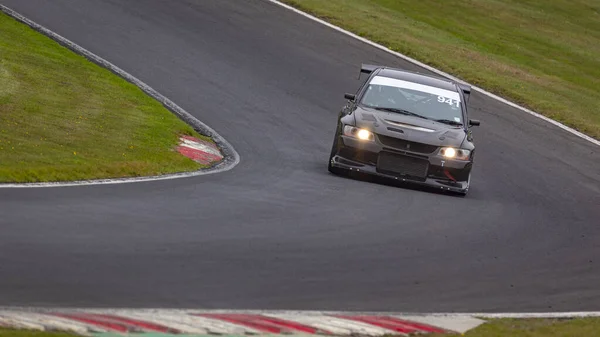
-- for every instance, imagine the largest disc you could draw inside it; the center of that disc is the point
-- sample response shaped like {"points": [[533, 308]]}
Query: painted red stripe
{"points": [[194, 154], [100, 323], [294, 325], [139, 324], [393, 324], [263, 323]]}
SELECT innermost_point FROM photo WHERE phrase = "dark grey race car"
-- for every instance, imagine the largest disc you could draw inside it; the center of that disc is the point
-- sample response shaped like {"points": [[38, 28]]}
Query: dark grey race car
{"points": [[406, 126]]}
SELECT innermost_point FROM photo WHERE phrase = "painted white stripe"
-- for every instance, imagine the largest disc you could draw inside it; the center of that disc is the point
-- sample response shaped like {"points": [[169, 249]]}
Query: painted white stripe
{"points": [[195, 323], [460, 324], [439, 72], [8, 322], [200, 147], [49, 322], [164, 320], [335, 325], [233, 158], [316, 322], [394, 82]]}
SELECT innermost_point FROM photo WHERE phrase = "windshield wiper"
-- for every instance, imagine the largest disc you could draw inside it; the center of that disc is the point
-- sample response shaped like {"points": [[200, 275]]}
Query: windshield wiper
{"points": [[400, 111], [450, 122]]}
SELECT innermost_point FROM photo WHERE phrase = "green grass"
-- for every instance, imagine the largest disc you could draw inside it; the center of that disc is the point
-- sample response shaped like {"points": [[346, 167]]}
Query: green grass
{"points": [[32, 333], [581, 327], [542, 54], [64, 118]]}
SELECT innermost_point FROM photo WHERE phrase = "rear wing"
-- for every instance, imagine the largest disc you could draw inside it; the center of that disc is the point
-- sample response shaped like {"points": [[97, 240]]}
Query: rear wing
{"points": [[466, 89], [367, 69]]}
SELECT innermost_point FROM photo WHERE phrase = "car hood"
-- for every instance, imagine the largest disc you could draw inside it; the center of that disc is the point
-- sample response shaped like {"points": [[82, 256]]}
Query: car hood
{"points": [[408, 127]]}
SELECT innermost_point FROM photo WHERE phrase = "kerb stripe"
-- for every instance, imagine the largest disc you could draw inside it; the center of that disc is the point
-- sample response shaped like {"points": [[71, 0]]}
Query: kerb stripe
{"points": [[140, 324], [97, 322], [265, 324], [394, 324]]}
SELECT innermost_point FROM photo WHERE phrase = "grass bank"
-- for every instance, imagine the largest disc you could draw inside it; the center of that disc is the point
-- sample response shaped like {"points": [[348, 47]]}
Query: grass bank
{"points": [[65, 118], [32, 333], [541, 54], [581, 327]]}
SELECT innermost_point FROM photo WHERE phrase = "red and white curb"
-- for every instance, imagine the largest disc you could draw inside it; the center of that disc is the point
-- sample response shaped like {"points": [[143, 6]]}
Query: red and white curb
{"points": [[199, 150], [199, 322]]}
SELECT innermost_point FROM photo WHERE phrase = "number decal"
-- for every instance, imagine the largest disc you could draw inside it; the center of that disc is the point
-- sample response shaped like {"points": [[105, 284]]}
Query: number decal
{"points": [[449, 101]]}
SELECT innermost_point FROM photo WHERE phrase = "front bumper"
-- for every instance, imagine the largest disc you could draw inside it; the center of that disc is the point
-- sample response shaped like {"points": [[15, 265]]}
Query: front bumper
{"points": [[440, 173]]}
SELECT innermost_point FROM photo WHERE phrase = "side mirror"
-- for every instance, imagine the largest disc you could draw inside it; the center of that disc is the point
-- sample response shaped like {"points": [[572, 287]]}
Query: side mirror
{"points": [[350, 96], [474, 122]]}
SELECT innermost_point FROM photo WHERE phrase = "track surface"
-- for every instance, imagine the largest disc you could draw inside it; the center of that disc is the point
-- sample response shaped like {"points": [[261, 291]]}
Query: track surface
{"points": [[278, 231]]}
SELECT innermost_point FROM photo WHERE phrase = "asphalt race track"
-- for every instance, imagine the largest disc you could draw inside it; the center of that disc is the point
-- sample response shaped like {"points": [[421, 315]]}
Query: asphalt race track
{"points": [[278, 231]]}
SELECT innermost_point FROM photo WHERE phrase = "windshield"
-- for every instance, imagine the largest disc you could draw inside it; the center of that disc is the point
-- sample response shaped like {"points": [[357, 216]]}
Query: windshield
{"points": [[430, 102]]}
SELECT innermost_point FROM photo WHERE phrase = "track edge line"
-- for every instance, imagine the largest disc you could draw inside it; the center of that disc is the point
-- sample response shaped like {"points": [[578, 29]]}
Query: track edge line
{"points": [[439, 72]]}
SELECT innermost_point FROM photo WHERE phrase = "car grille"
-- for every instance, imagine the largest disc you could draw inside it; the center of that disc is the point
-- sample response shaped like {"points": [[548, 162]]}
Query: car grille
{"points": [[361, 156], [406, 145], [395, 164]]}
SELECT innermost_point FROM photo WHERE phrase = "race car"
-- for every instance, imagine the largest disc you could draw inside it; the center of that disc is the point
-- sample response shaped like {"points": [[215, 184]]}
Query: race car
{"points": [[406, 126]]}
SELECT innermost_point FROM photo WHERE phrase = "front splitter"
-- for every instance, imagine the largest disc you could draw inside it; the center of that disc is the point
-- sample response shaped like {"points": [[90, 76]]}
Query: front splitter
{"points": [[346, 164]]}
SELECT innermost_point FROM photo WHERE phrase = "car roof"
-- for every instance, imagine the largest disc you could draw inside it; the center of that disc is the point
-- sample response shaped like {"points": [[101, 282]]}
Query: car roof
{"points": [[417, 78]]}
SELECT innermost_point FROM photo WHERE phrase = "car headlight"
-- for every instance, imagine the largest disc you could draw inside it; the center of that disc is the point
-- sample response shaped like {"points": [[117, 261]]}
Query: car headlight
{"points": [[452, 153], [362, 134]]}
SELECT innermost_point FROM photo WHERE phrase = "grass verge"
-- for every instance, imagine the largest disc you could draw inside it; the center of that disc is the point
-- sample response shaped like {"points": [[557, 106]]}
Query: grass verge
{"points": [[65, 118], [541, 54], [32, 333], [580, 327]]}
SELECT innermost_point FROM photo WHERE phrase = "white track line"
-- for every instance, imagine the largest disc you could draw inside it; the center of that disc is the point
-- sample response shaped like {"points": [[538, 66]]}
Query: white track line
{"points": [[540, 315], [232, 158], [439, 72], [316, 313]]}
